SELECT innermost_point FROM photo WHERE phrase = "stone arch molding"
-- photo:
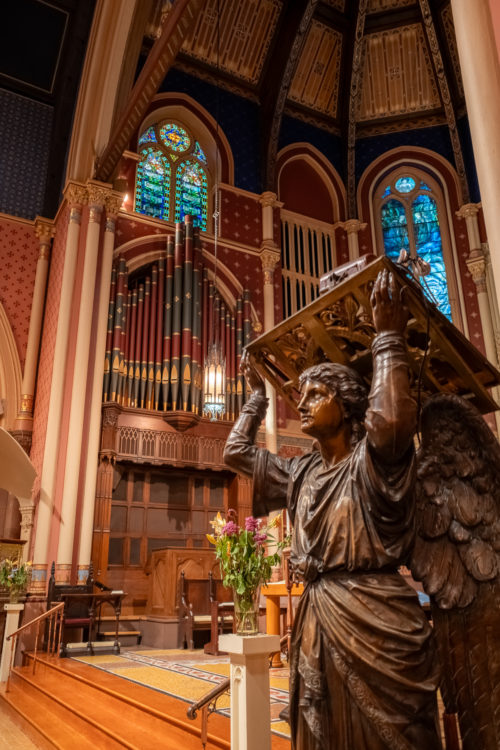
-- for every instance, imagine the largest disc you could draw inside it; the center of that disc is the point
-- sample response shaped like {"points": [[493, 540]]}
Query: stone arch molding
{"points": [[10, 374]]}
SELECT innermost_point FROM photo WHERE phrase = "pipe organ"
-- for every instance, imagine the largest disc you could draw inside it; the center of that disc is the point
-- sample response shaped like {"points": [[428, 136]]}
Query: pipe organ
{"points": [[162, 319]]}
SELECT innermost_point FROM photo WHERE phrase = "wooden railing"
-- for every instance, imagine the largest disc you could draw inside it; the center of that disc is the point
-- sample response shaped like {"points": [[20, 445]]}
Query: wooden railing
{"points": [[207, 704], [160, 447], [53, 620]]}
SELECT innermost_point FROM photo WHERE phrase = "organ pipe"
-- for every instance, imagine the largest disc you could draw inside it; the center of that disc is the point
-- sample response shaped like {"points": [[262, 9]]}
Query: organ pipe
{"points": [[161, 321]]}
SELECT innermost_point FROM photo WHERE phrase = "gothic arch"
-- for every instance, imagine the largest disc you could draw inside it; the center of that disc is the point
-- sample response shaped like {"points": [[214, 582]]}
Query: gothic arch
{"points": [[324, 169], [445, 185], [10, 373]]}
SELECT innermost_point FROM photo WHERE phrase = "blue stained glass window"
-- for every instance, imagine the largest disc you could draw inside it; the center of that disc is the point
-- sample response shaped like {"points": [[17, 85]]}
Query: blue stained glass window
{"points": [[405, 184], [394, 228], [198, 152], [424, 186], [386, 192], [149, 136], [153, 184], [175, 137], [191, 193], [429, 247]]}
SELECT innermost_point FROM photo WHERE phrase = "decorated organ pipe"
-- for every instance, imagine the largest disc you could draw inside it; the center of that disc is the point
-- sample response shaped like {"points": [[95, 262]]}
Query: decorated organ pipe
{"points": [[152, 336], [167, 322], [145, 342], [163, 318], [176, 317], [159, 332], [239, 352], [138, 345], [196, 326], [187, 315], [131, 350], [109, 336], [123, 343]]}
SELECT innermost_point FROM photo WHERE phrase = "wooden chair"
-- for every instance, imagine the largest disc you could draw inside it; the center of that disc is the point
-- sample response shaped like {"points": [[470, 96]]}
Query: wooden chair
{"points": [[76, 614], [203, 605]]}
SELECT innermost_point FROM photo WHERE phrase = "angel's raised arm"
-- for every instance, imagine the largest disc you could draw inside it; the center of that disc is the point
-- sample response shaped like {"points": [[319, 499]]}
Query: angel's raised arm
{"points": [[391, 415]]}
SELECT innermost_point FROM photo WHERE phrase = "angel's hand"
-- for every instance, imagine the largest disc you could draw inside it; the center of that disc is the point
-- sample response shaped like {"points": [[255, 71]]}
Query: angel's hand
{"points": [[389, 311], [254, 380]]}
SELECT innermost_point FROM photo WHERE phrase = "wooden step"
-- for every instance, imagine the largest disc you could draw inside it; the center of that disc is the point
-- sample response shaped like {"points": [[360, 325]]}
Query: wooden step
{"points": [[137, 721], [56, 723], [65, 699]]}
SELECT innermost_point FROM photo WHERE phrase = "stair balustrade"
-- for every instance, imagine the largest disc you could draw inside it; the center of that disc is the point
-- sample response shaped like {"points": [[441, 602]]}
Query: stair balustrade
{"points": [[52, 632]]}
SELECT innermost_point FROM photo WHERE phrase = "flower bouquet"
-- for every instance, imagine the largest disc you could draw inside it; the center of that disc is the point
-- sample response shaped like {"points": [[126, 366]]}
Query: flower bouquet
{"points": [[244, 564], [15, 576]]}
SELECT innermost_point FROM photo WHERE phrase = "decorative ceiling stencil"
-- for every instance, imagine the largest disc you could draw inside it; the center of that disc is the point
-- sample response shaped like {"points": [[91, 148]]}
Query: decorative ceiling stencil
{"points": [[316, 80], [398, 78], [449, 30], [375, 6], [245, 31]]}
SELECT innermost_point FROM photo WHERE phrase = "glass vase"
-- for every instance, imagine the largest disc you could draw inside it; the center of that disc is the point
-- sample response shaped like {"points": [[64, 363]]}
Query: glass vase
{"points": [[246, 611], [14, 594]]}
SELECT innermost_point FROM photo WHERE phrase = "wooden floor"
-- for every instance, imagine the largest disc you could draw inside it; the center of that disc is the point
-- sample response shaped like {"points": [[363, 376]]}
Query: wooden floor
{"points": [[76, 707]]}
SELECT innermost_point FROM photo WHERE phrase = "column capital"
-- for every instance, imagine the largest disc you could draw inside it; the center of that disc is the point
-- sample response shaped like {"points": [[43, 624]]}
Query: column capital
{"points": [[98, 192], [114, 201], [468, 210], [268, 198], [75, 194], [477, 269], [352, 226], [44, 230], [269, 257]]}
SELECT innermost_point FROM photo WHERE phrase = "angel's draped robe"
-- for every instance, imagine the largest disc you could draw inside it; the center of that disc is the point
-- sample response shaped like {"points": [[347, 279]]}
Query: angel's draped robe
{"points": [[363, 673]]}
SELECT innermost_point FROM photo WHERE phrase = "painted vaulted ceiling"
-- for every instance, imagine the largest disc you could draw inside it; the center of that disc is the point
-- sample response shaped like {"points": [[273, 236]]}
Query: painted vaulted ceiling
{"points": [[351, 67]]}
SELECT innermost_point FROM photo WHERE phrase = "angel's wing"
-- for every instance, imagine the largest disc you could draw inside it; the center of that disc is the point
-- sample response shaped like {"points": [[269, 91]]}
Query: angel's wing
{"points": [[458, 502], [457, 559]]}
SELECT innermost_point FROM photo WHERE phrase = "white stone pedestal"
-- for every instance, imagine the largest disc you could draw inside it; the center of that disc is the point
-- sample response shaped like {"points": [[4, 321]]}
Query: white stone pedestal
{"points": [[11, 625], [250, 700]]}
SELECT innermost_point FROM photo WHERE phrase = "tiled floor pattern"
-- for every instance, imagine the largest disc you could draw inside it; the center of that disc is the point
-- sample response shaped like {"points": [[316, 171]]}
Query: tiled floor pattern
{"points": [[188, 676]]}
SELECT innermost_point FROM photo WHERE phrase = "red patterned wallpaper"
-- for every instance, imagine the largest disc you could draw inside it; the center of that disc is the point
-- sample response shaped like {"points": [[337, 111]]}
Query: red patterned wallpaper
{"points": [[19, 250], [241, 218], [48, 345]]}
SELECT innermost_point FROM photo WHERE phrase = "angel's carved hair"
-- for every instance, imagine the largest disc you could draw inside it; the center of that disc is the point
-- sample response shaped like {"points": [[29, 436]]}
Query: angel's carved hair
{"points": [[349, 387]]}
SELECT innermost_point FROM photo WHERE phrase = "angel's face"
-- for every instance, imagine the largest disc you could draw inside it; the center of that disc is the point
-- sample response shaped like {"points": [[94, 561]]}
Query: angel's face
{"points": [[321, 413]]}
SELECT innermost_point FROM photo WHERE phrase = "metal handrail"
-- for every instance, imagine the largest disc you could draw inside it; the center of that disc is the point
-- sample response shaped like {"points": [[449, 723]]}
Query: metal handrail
{"points": [[207, 705], [55, 617]]}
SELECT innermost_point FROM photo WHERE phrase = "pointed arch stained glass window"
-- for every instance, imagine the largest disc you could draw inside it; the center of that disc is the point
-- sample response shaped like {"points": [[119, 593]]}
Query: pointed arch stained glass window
{"points": [[191, 193], [171, 175], [394, 228], [429, 247], [153, 184], [412, 223]]}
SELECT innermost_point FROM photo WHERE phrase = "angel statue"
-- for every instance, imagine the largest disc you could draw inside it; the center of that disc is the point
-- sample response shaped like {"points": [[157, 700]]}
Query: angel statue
{"points": [[363, 668], [457, 558]]}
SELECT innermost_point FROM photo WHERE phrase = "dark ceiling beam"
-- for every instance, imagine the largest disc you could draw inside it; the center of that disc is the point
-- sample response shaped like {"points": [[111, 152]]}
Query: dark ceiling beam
{"points": [[444, 88], [391, 19], [276, 78], [159, 60]]}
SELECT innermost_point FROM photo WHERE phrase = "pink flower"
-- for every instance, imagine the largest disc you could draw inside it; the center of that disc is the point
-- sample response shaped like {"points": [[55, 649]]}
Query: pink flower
{"points": [[230, 528], [251, 523], [260, 539]]}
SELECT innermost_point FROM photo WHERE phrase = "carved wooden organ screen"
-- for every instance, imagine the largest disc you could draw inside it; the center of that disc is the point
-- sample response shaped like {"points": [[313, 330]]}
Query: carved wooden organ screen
{"points": [[161, 319]]}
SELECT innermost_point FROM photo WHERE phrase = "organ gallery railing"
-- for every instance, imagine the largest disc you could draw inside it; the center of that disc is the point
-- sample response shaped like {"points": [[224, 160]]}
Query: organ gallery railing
{"points": [[162, 318]]}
